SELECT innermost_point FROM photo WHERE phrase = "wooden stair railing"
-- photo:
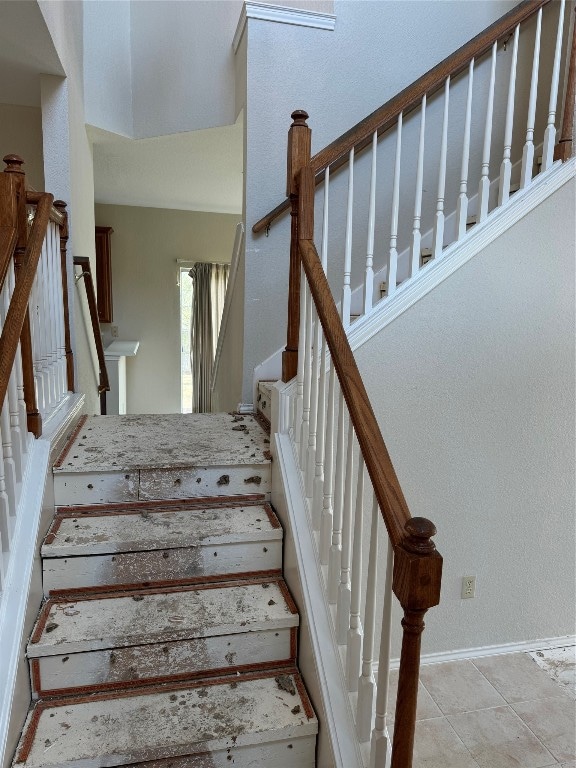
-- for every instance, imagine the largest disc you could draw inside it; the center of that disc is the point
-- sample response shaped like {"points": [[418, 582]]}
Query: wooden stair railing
{"points": [[385, 117], [104, 385], [416, 576]]}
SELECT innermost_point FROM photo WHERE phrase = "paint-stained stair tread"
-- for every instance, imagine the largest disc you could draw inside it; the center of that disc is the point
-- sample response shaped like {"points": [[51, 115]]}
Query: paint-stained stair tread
{"points": [[146, 617], [147, 545], [219, 718]]}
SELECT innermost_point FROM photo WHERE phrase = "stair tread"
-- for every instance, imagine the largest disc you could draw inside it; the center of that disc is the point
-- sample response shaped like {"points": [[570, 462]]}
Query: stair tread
{"points": [[167, 721], [156, 616], [151, 441], [161, 528]]}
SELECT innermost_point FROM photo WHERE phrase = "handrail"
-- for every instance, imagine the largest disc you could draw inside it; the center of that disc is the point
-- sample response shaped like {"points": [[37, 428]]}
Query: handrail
{"points": [[84, 263], [336, 154], [32, 198], [21, 296]]}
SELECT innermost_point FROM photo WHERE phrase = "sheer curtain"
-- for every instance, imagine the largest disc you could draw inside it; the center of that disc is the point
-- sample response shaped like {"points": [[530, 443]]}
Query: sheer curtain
{"points": [[208, 292]]}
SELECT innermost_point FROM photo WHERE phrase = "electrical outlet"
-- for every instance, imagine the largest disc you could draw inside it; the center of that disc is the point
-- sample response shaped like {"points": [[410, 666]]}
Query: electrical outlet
{"points": [[114, 331], [468, 587]]}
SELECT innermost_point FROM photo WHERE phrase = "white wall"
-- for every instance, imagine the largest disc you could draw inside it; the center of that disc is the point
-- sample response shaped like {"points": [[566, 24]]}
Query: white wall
{"points": [[21, 134], [473, 388], [145, 245], [108, 65]]}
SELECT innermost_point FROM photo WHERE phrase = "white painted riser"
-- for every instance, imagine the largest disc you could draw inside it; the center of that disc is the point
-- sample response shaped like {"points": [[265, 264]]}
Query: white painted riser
{"points": [[259, 714], [186, 565], [55, 675], [79, 488]]}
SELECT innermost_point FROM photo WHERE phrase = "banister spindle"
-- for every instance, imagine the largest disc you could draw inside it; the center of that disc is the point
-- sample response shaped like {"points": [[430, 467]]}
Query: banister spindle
{"points": [[344, 591], [8, 458], [416, 234], [299, 143], [12, 393], [335, 554], [380, 742], [367, 682], [307, 353], [60, 205], [416, 584], [462, 204], [326, 519], [369, 275], [300, 372], [310, 465], [355, 634], [506, 167], [346, 290], [528, 151], [4, 508], [550, 132], [484, 187], [438, 231], [393, 253]]}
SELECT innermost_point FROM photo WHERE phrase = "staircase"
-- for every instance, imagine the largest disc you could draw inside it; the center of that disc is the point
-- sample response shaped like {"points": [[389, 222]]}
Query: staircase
{"points": [[167, 631]]}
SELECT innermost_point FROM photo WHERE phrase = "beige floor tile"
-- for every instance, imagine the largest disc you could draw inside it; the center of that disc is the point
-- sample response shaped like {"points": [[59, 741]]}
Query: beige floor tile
{"points": [[457, 686], [426, 707], [517, 677], [436, 745], [497, 738], [553, 721]]}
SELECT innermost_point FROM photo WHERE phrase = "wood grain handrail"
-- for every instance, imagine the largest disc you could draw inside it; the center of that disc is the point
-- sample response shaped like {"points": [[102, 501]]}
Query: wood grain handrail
{"points": [[336, 154], [21, 296], [32, 198], [84, 263]]}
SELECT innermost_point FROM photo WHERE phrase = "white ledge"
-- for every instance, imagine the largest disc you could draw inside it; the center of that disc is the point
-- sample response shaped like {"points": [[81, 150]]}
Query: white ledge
{"points": [[281, 15]]}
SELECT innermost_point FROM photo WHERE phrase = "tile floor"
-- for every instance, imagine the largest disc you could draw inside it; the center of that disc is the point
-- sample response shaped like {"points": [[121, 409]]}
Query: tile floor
{"points": [[515, 710]]}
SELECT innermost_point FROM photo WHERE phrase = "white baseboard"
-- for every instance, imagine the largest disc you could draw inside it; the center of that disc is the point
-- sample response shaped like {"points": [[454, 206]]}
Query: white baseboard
{"points": [[14, 598]]}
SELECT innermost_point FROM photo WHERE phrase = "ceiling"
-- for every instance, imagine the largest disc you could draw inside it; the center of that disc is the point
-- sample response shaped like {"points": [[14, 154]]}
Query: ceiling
{"points": [[196, 171]]}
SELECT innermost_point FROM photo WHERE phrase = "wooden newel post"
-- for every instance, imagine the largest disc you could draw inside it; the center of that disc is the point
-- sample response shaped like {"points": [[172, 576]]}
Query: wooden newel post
{"points": [[564, 150], [34, 420], [299, 145], [416, 584], [60, 205]]}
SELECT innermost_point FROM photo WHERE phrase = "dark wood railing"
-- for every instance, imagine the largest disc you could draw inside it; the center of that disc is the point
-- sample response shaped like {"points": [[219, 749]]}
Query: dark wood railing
{"points": [[104, 385], [385, 117]]}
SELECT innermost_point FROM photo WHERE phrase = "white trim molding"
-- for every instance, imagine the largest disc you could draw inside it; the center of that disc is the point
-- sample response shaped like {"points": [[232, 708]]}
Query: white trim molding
{"points": [[282, 15], [460, 252]]}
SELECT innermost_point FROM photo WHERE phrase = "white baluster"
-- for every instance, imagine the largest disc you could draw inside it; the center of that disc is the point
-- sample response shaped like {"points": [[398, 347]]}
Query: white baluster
{"points": [[355, 634], [318, 491], [344, 590], [367, 682], [335, 554], [43, 328], [346, 290], [462, 204], [438, 232], [5, 527], [393, 253], [484, 188], [528, 151], [550, 132], [506, 167], [9, 466], [12, 392], [307, 379], [416, 234], [310, 466], [328, 484], [36, 335], [380, 743], [300, 371], [369, 276]]}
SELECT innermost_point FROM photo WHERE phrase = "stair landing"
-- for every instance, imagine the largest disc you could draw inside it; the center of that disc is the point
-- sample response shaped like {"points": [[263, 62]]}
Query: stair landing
{"points": [[146, 457]]}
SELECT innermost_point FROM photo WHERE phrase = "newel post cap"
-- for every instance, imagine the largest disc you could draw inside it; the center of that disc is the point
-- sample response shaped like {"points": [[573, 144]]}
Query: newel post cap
{"points": [[14, 164], [299, 117], [417, 567]]}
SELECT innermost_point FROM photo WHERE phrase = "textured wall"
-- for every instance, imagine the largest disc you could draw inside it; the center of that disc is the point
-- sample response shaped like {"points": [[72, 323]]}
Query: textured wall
{"points": [[21, 134]]}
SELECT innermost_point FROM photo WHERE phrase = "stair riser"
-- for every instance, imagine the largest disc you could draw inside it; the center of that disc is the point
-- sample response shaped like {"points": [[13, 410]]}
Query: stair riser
{"points": [[145, 664], [88, 488], [282, 754], [187, 565]]}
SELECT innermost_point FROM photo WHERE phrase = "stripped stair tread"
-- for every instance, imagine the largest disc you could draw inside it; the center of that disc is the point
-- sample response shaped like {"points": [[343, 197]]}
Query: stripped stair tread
{"points": [[157, 616], [150, 441], [126, 530], [167, 721]]}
